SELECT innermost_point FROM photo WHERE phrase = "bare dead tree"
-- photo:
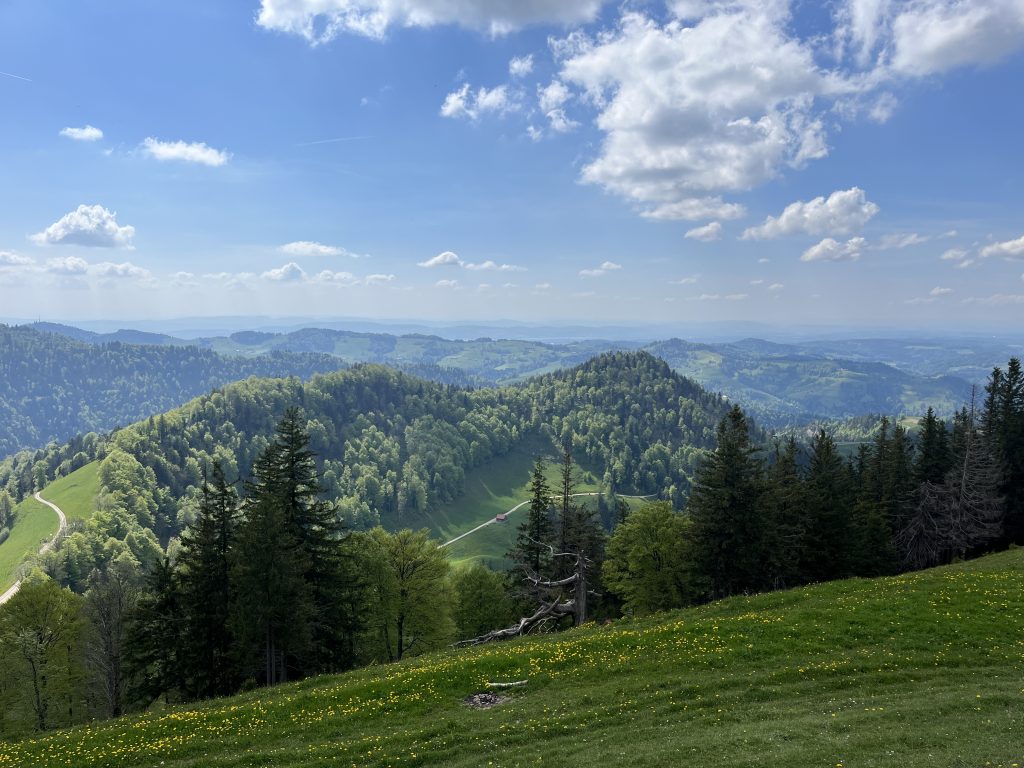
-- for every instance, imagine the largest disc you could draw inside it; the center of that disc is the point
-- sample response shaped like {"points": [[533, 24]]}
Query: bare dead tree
{"points": [[558, 606]]}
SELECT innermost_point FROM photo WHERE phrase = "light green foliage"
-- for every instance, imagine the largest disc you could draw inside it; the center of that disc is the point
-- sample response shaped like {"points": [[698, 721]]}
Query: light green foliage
{"points": [[917, 671], [648, 562], [411, 595], [481, 601], [41, 682]]}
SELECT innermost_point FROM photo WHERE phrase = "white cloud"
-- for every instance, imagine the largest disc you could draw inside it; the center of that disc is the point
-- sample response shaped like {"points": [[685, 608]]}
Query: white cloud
{"points": [[764, 260], [289, 273], [521, 66], [69, 265], [553, 95], [471, 105], [686, 280], [831, 250], [90, 225], [998, 299], [195, 152], [302, 248], [776, 287], [447, 283], [320, 21], [939, 291], [690, 112], [123, 270], [542, 287], [87, 133], [705, 234], [444, 259], [1010, 249], [706, 297], [693, 209], [12, 259], [491, 266], [378, 279], [897, 241], [605, 268], [757, 282], [954, 254], [331, 278], [844, 211], [737, 296]]}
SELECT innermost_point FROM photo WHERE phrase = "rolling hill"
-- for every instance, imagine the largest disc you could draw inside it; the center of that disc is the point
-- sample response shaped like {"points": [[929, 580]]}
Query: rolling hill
{"points": [[923, 669]]}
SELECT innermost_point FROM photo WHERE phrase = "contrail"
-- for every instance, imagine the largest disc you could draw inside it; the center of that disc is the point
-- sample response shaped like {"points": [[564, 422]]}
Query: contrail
{"points": [[331, 141], [16, 77]]}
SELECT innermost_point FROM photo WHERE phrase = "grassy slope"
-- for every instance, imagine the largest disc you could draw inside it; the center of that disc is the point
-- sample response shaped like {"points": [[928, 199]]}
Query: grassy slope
{"points": [[35, 523], [76, 493], [920, 670]]}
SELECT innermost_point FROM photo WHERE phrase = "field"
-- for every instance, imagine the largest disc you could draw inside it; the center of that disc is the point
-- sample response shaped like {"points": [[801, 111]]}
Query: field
{"points": [[925, 669], [35, 523], [76, 493]]}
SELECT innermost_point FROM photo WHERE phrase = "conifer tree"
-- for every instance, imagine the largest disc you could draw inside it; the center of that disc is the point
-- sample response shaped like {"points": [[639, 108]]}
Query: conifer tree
{"points": [[728, 531], [206, 591], [933, 454], [784, 505], [532, 549], [153, 641], [829, 497]]}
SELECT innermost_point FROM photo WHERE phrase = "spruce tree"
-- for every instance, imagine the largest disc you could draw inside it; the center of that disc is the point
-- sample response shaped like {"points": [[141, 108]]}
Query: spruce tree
{"points": [[153, 642], [536, 534], [827, 551], [933, 454], [728, 532], [206, 591], [784, 504]]}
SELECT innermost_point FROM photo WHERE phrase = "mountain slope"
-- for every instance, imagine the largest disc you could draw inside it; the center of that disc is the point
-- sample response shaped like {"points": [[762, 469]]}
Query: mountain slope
{"points": [[920, 670]]}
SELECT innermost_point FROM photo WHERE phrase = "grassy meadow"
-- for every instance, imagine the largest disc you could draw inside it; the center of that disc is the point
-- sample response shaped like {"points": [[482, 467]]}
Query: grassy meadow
{"points": [[925, 669]]}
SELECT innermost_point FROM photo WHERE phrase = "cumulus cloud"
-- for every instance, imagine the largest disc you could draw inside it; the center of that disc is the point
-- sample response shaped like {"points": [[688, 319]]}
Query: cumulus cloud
{"points": [[302, 248], [320, 21], [939, 291], [69, 265], [705, 234], [832, 250], [378, 279], [776, 287], [954, 254], [692, 111], [12, 259], [605, 268], [447, 258], [1010, 249], [289, 273], [87, 133], [491, 266], [842, 212], [123, 270], [521, 66], [334, 278], [195, 152], [468, 104], [447, 283], [90, 225], [693, 209]]}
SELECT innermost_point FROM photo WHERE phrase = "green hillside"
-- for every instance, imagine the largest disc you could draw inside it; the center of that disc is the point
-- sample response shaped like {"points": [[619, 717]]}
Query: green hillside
{"points": [[34, 524], [76, 493], [919, 670]]}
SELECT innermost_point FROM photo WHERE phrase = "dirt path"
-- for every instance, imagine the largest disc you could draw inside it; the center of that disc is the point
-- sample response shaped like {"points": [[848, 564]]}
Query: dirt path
{"points": [[43, 549], [522, 504]]}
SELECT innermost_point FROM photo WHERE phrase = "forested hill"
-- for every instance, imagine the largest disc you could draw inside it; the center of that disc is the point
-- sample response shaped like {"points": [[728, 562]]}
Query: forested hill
{"points": [[393, 447], [53, 387]]}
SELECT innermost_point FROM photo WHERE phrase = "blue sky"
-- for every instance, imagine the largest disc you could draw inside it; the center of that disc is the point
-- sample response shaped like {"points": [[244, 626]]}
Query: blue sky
{"points": [[856, 163]]}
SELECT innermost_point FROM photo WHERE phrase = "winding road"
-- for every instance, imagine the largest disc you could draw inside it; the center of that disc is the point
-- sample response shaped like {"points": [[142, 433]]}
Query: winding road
{"points": [[522, 504], [43, 549]]}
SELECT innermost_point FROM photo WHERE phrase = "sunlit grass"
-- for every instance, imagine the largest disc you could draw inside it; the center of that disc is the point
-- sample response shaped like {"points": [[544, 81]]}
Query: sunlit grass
{"points": [[922, 670], [34, 524], [76, 493]]}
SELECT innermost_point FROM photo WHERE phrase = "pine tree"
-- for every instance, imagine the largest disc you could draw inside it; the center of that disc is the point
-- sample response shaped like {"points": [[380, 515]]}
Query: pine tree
{"points": [[784, 504], [532, 550], [829, 497], [728, 532], [933, 454], [206, 591]]}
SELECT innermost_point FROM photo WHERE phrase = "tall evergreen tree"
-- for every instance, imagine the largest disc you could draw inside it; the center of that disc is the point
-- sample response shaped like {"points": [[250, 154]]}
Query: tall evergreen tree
{"points": [[933, 454], [536, 534], [829, 498], [206, 591], [728, 531], [785, 510], [153, 640]]}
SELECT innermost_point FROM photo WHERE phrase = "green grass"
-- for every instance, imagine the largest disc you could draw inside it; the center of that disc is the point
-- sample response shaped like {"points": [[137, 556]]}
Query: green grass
{"points": [[922, 670], [76, 493], [33, 525]]}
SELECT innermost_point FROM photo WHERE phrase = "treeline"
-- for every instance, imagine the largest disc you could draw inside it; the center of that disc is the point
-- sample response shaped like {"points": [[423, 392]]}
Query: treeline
{"points": [[53, 387], [265, 586]]}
